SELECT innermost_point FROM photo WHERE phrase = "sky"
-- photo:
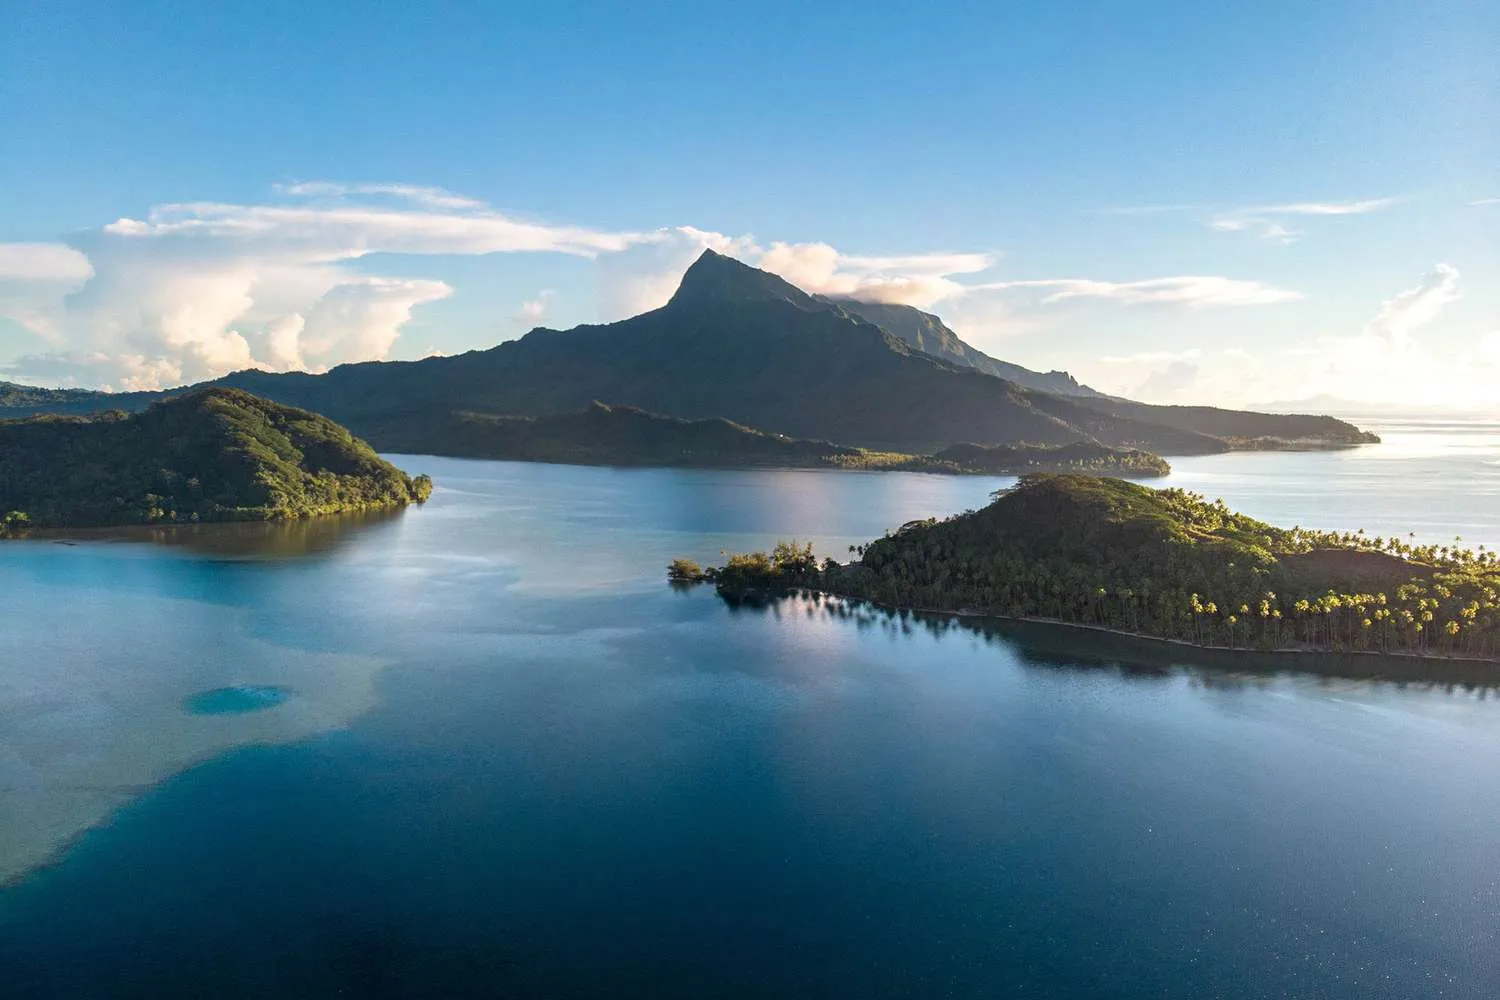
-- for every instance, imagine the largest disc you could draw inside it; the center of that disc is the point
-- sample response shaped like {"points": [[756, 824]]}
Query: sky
{"points": [[1238, 204]]}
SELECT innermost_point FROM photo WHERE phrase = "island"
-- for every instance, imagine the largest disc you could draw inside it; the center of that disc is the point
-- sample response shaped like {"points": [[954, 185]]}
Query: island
{"points": [[605, 434], [208, 455], [746, 345], [1166, 564]]}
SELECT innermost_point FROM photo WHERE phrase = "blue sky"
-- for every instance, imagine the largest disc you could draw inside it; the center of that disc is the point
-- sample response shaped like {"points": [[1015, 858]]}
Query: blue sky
{"points": [[1186, 201]]}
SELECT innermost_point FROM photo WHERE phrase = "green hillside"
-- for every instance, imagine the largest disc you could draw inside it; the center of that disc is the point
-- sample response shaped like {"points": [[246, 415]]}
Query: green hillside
{"points": [[208, 455], [1169, 564]]}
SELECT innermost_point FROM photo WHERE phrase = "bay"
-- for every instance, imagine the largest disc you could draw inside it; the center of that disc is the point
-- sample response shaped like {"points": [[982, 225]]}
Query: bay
{"points": [[506, 759]]}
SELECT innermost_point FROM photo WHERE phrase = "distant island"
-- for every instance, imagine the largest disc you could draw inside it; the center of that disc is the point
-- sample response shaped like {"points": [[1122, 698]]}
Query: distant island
{"points": [[604, 434], [746, 346], [208, 455], [1166, 564]]}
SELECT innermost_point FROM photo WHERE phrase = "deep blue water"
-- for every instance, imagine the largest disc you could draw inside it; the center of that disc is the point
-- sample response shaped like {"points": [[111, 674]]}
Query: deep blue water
{"points": [[514, 763]]}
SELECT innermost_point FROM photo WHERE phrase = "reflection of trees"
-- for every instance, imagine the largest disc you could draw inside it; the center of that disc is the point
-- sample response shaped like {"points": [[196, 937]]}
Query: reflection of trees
{"points": [[250, 539], [1054, 646]]}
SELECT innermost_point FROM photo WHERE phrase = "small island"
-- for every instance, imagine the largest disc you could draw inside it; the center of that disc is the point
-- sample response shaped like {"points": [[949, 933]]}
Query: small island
{"points": [[606, 434], [205, 456], [1165, 564]]}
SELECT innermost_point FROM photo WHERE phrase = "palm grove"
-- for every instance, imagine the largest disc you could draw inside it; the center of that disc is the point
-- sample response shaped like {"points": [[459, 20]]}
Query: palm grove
{"points": [[1164, 563]]}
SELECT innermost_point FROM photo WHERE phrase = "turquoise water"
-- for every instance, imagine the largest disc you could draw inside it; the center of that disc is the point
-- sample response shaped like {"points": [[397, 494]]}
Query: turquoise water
{"points": [[516, 763], [235, 700]]}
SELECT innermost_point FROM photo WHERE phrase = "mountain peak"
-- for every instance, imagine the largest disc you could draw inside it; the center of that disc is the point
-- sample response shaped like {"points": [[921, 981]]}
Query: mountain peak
{"points": [[715, 278]]}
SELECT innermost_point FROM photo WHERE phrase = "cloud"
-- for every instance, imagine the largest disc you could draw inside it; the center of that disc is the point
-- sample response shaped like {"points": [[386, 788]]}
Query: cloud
{"points": [[645, 275], [1265, 221], [432, 197], [34, 280], [196, 290], [1324, 207], [1188, 291], [1415, 307], [348, 231], [1485, 201], [533, 310], [1169, 383], [1151, 357]]}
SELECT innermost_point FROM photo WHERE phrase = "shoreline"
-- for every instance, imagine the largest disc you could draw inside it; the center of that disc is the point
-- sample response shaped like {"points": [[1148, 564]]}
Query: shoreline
{"points": [[1411, 667]]}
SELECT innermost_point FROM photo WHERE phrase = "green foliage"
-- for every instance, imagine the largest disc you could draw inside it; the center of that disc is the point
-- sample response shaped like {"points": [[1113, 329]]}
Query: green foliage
{"points": [[790, 564], [685, 571], [1171, 564], [209, 455]]}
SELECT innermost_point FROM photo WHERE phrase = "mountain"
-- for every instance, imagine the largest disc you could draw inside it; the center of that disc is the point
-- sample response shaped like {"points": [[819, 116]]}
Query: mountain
{"points": [[742, 344], [616, 435], [13, 396], [930, 335], [627, 435], [209, 455]]}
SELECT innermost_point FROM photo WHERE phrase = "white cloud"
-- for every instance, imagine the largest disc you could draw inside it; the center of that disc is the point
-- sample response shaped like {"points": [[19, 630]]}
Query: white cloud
{"points": [[1169, 383], [645, 276], [1151, 357], [196, 290], [34, 280], [1390, 360], [1188, 291], [433, 197], [1415, 307], [1264, 221], [533, 310], [1485, 201], [1324, 207]]}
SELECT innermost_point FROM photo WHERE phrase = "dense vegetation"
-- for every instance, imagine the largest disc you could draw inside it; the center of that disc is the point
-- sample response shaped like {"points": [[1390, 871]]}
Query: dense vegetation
{"points": [[625, 435], [209, 455], [1164, 563], [1077, 457], [617, 435], [742, 344]]}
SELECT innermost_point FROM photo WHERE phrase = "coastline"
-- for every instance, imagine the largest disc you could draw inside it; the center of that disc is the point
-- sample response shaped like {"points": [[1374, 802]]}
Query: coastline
{"points": [[1350, 664]]}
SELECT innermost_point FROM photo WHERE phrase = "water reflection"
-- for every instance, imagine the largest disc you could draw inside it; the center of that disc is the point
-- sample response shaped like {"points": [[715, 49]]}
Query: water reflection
{"points": [[241, 539], [1065, 647]]}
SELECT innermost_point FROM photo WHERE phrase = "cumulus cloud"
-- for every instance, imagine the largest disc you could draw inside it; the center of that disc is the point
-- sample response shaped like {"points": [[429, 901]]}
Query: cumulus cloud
{"points": [[195, 290], [1390, 359], [644, 276], [1266, 221], [533, 311], [1415, 307], [34, 280]]}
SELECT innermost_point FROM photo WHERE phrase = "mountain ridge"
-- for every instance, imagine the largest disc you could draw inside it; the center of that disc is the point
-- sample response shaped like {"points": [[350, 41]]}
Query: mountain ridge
{"points": [[740, 343]]}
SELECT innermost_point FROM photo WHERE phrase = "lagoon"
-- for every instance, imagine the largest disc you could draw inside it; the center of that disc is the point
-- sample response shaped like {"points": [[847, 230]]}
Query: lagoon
{"points": [[510, 760]]}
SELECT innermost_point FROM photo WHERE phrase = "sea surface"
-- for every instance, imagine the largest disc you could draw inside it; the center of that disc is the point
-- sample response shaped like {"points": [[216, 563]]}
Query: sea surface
{"points": [[481, 749]]}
